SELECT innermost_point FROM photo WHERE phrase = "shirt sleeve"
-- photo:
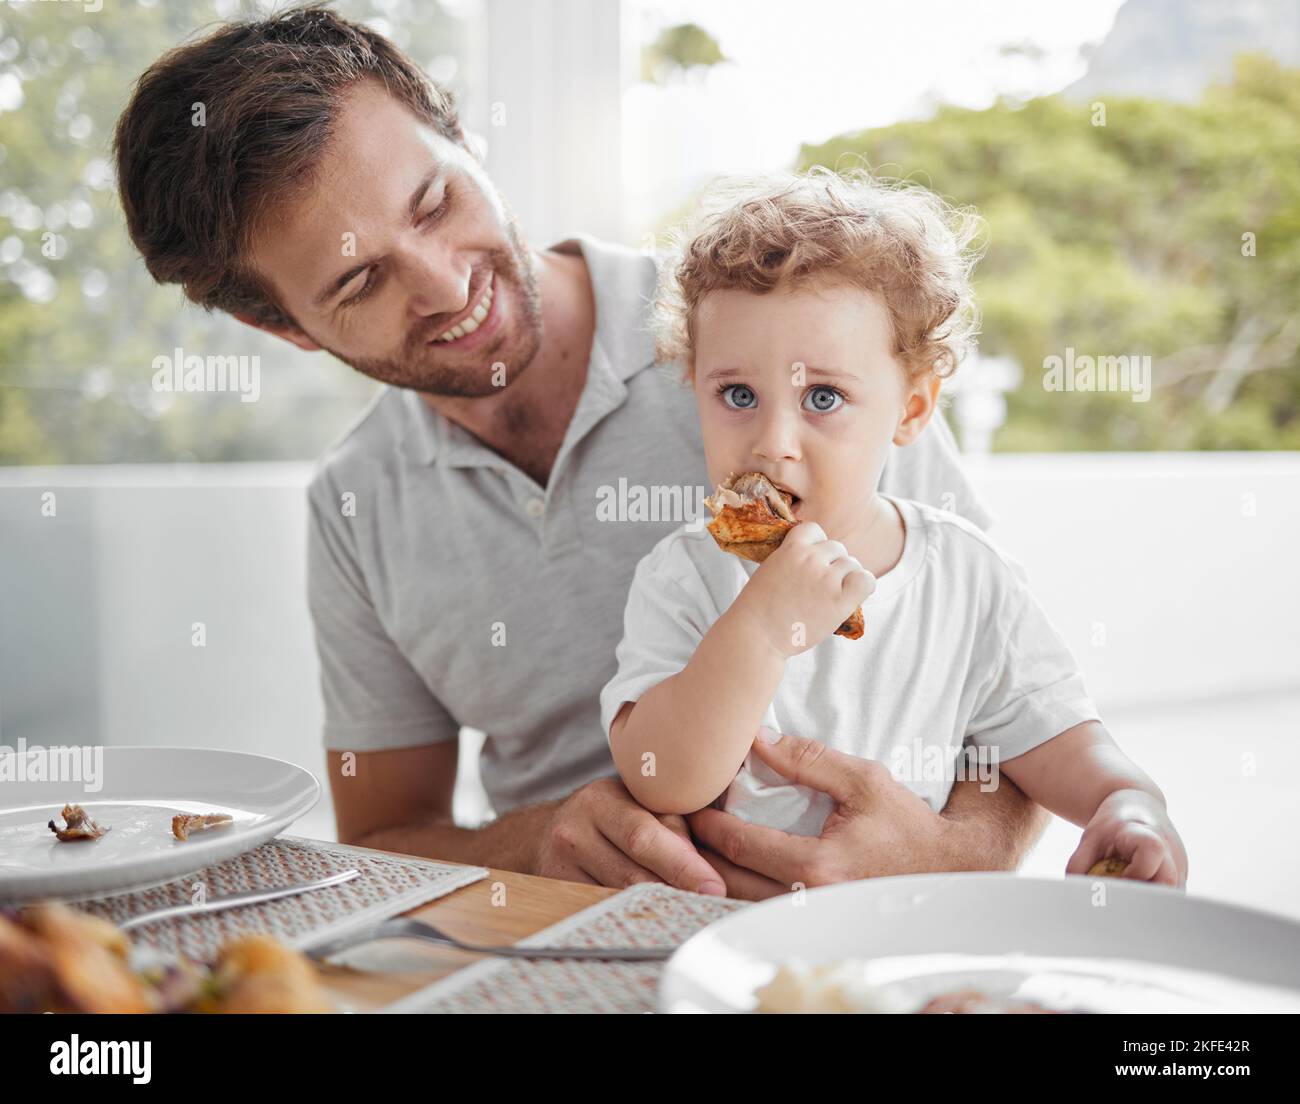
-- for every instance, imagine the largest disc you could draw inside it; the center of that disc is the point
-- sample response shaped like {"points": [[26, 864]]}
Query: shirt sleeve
{"points": [[374, 699], [930, 470], [1035, 689], [667, 614]]}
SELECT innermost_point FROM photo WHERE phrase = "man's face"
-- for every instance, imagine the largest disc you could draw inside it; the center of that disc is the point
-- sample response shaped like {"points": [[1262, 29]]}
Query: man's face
{"points": [[801, 385], [398, 249]]}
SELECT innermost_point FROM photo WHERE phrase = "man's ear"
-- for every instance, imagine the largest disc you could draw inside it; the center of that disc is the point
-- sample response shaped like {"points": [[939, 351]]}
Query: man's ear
{"points": [[918, 410], [291, 334]]}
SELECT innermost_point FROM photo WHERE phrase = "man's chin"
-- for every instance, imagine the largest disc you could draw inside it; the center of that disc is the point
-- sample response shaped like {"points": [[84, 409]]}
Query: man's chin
{"points": [[470, 381]]}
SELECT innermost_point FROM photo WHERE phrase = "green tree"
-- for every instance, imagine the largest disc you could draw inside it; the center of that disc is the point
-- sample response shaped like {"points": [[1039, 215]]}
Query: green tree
{"points": [[1173, 230], [80, 319]]}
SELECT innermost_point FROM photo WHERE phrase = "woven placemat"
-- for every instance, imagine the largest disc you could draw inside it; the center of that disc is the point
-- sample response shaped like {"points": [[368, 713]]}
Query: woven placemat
{"points": [[388, 885], [650, 914]]}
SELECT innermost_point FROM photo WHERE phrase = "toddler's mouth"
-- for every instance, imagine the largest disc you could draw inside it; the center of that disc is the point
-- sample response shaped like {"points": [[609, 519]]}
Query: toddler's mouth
{"points": [[795, 500]]}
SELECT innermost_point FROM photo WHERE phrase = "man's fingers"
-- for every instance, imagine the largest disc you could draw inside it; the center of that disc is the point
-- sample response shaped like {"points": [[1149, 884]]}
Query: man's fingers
{"points": [[813, 764], [784, 858], [667, 854], [676, 824], [600, 861], [743, 884], [570, 862]]}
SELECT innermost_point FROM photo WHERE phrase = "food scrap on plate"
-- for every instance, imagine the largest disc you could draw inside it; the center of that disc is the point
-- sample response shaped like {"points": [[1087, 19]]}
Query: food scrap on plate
{"points": [[77, 825], [799, 987], [183, 825]]}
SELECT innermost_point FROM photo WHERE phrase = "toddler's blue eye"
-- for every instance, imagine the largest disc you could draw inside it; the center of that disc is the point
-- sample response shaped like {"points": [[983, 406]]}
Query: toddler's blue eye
{"points": [[824, 400], [739, 397]]}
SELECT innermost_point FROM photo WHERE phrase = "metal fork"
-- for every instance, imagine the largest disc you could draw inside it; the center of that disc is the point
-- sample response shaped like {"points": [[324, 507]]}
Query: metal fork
{"points": [[404, 927]]}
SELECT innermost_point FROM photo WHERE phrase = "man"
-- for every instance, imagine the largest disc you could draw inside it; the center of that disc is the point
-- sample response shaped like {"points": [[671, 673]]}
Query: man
{"points": [[465, 564]]}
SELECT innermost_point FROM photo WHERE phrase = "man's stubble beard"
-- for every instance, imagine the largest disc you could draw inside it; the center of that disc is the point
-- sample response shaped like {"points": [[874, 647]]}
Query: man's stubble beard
{"points": [[473, 379]]}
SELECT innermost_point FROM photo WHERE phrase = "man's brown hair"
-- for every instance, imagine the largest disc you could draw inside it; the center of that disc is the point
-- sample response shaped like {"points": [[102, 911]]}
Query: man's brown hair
{"points": [[195, 196]]}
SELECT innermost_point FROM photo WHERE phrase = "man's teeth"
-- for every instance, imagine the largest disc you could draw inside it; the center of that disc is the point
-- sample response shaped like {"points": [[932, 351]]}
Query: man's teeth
{"points": [[472, 323]]}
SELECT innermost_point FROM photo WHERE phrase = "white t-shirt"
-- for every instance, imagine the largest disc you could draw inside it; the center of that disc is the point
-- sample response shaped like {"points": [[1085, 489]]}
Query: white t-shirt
{"points": [[956, 652]]}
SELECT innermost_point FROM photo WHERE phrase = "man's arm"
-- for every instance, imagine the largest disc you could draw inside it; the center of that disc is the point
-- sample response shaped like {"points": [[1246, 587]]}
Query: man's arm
{"points": [[400, 800], [993, 830]]}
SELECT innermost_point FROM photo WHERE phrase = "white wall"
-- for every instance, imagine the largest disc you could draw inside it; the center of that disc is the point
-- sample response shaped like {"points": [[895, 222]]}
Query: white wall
{"points": [[111, 586], [554, 115], [1173, 576]]}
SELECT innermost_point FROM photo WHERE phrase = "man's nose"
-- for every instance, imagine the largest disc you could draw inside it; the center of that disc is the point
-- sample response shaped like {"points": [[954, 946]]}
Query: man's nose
{"points": [[436, 280], [777, 433]]}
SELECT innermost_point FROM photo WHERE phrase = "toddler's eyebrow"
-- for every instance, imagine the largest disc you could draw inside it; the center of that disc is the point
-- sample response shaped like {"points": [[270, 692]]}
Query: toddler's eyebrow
{"points": [[809, 370], [828, 373]]}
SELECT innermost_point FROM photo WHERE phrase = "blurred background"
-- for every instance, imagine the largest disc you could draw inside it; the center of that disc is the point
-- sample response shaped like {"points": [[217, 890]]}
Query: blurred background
{"points": [[1138, 165]]}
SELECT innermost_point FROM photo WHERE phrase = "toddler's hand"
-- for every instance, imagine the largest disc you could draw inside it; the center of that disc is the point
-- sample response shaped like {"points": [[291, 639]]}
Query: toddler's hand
{"points": [[1132, 826], [805, 589]]}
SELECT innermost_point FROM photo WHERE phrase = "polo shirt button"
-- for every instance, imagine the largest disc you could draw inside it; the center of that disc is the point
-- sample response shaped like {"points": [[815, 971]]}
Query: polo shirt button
{"points": [[536, 507]]}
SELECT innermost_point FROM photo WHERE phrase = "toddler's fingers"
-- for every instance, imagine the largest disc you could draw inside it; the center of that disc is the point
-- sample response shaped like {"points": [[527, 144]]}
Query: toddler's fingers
{"points": [[830, 552], [858, 584], [1168, 874], [1091, 849], [1147, 849], [806, 532]]}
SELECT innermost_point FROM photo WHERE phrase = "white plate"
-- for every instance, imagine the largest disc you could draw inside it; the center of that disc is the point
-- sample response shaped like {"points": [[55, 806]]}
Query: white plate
{"points": [[142, 789], [1145, 949]]}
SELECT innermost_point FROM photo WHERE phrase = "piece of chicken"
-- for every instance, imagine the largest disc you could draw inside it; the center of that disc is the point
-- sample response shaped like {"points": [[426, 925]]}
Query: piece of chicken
{"points": [[182, 826], [57, 959], [54, 959], [751, 517], [77, 825], [259, 974]]}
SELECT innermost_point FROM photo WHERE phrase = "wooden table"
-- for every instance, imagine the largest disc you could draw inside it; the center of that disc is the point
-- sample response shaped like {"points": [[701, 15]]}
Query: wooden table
{"points": [[504, 907]]}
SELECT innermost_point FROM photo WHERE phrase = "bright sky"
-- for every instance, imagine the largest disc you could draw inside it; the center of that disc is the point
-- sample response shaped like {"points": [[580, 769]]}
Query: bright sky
{"points": [[805, 71]]}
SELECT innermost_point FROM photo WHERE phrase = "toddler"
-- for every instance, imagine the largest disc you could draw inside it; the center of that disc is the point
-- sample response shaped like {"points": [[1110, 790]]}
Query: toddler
{"points": [[817, 315]]}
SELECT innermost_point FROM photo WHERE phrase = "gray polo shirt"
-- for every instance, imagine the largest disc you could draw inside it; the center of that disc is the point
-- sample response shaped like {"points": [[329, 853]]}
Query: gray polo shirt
{"points": [[447, 588]]}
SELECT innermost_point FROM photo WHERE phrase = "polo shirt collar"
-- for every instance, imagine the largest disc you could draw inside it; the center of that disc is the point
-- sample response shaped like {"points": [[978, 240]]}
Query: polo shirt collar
{"points": [[622, 346]]}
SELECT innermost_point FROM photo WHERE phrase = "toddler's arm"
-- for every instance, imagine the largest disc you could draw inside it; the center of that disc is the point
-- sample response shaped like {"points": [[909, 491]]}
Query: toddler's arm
{"points": [[1073, 773], [699, 723], [1084, 777], [682, 743]]}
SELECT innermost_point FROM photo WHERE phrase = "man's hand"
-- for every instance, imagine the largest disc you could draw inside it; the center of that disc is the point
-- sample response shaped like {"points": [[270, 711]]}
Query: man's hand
{"points": [[879, 827], [600, 834]]}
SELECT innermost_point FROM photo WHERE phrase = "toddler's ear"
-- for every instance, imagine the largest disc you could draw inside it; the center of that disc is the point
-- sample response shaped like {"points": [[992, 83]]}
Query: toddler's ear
{"points": [[918, 409]]}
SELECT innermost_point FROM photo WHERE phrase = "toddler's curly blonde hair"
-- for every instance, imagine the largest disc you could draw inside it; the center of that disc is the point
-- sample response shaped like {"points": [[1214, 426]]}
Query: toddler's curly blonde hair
{"points": [[891, 237]]}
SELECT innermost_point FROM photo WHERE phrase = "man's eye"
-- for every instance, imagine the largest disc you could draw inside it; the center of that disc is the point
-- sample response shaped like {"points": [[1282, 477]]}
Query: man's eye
{"points": [[738, 396], [366, 288], [437, 212], [823, 400]]}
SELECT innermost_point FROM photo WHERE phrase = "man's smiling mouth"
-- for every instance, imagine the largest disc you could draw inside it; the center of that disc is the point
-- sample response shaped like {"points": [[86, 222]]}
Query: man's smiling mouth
{"points": [[471, 321]]}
